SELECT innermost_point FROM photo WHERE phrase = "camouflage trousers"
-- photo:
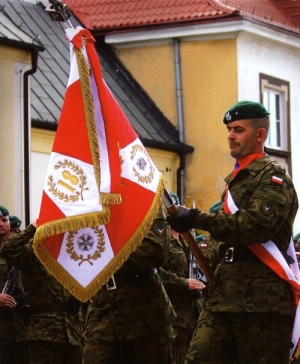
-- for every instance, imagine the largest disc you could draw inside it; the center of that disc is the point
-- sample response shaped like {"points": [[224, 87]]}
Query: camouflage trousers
{"points": [[182, 342], [241, 338], [156, 348], [49, 352]]}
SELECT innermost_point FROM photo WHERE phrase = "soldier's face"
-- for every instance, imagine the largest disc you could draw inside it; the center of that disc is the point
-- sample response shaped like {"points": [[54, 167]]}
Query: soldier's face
{"points": [[242, 139], [4, 225]]}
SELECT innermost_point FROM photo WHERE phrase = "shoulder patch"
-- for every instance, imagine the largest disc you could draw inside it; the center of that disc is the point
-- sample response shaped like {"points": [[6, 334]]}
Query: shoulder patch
{"points": [[159, 228], [267, 206]]}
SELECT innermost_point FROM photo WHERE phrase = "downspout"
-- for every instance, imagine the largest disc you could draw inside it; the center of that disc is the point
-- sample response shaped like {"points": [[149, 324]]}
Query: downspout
{"points": [[27, 128], [180, 170]]}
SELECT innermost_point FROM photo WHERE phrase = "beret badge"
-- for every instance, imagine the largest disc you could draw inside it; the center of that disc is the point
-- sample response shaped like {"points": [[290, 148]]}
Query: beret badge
{"points": [[228, 116]]}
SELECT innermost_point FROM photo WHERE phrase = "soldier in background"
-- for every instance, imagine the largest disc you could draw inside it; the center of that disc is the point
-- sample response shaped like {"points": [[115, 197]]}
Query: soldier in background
{"points": [[54, 331], [129, 319], [12, 328], [248, 313], [180, 278], [15, 225]]}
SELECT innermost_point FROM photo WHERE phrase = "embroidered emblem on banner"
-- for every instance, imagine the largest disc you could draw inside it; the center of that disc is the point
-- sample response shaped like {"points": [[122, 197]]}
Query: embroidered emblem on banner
{"points": [[144, 169], [71, 180], [85, 246]]}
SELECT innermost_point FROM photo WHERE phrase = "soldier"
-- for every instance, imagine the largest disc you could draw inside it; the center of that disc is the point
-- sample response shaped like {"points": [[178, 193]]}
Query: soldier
{"points": [[129, 319], [12, 329], [15, 225], [54, 330], [180, 279], [248, 313]]}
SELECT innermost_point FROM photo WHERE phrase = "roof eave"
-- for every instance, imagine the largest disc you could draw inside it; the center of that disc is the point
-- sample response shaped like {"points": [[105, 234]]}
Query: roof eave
{"points": [[163, 25], [21, 45]]}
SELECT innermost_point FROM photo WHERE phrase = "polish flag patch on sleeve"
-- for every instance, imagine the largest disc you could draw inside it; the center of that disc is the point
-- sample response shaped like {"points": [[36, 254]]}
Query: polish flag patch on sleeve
{"points": [[277, 180]]}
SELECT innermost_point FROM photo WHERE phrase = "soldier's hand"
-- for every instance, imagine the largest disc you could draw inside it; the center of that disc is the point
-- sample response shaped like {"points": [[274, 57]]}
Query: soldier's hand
{"points": [[183, 220], [194, 284], [7, 301]]}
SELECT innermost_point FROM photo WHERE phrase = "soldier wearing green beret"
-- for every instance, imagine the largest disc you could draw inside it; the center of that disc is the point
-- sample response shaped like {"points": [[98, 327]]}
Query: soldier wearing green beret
{"points": [[248, 314], [12, 328], [15, 225]]}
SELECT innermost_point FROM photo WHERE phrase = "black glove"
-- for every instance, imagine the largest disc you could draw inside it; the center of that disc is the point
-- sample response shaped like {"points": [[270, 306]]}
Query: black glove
{"points": [[183, 220]]}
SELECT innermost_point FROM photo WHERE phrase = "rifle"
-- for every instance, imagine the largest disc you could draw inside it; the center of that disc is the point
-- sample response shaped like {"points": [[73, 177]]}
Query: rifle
{"points": [[11, 286], [195, 272], [203, 264]]}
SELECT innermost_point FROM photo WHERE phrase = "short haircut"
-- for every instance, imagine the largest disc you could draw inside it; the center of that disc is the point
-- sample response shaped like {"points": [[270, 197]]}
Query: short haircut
{"points": [[258, 123]]}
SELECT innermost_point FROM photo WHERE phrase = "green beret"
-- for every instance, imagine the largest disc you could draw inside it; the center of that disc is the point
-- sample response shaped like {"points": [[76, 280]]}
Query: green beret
{"points": [[245, 110], [15, 222], [296, 237], [214, 207], [199, 238], [175, 198], [3, 211]]}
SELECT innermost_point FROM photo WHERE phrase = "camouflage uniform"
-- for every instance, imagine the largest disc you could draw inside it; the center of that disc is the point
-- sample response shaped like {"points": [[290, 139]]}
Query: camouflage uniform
{"points": [[248, 315], [174, 275], [12, 329], [131, 324], [54, 330]]}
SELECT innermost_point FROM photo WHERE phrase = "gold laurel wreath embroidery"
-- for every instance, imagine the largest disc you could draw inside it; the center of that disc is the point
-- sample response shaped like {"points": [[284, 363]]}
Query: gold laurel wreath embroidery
{"points": [[143, 179], [79, 257], [61, 195]]}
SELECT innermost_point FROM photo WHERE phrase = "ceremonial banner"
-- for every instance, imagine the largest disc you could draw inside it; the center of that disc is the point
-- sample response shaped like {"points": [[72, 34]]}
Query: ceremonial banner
{"points": [[270, 254], [102, 191]]}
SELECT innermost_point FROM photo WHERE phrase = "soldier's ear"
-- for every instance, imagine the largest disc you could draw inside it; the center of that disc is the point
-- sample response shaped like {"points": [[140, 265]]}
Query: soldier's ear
{"points": [[261, 135]]}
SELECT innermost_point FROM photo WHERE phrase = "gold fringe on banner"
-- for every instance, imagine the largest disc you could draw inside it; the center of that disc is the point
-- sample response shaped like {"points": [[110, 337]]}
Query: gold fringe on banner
{"points": [[86, 89], [60, 226], [85, 293], [110, 198], [85, 82]]}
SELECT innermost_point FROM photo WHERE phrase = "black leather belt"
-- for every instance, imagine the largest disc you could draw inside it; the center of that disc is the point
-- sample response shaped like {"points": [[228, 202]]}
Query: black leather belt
{"points": [[233, 255], [121, 279]]}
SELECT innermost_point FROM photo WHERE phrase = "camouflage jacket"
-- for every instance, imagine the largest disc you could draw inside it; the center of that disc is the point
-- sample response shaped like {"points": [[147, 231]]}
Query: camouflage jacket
{"points": [[54, 311], [12, 327], [266, 212], [174, 274], [139, 308]]}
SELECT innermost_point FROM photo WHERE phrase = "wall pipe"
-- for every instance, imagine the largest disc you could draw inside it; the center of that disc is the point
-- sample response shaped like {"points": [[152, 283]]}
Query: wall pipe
{"points": [[180, 169], [27, 126]]}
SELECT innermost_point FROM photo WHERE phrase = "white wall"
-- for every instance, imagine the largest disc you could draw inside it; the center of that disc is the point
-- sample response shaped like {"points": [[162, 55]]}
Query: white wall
{"points": [[279, 59]]}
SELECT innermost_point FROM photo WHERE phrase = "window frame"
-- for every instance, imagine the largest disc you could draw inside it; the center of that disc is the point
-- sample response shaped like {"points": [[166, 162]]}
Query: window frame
{"points": [[282, 86]]}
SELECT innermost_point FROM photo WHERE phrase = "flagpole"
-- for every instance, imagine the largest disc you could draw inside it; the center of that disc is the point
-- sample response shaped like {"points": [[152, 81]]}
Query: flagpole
{"points": [[172, 209]]}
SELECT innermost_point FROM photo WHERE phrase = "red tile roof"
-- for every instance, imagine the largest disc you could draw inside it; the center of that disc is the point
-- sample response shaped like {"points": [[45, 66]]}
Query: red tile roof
{"points": [[116, 14], [265, 11], [119, 15]]}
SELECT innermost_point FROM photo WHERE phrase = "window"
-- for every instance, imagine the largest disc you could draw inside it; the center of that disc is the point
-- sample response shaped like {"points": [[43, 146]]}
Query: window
{"points": [[275, 98], [274, 103]]}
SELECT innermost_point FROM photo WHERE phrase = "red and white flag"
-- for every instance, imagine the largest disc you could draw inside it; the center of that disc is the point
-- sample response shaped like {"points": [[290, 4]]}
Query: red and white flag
{"points": [[270, 254], [102, 191]]}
